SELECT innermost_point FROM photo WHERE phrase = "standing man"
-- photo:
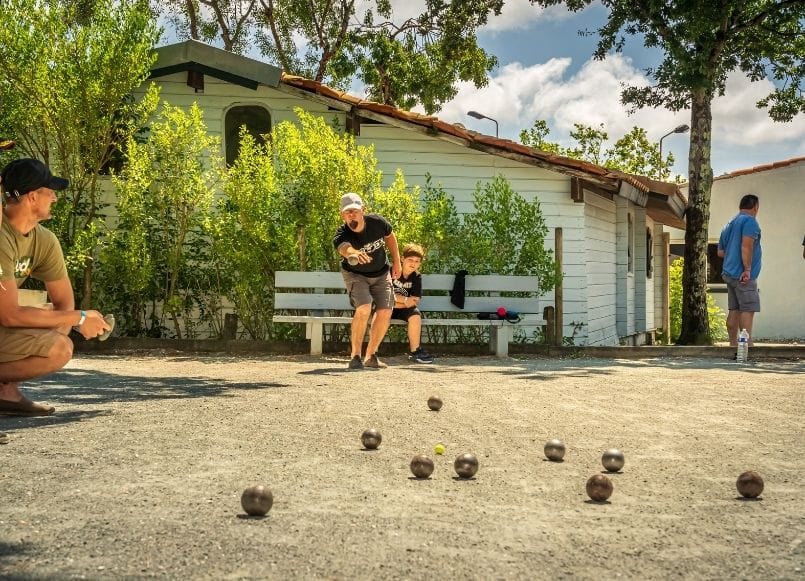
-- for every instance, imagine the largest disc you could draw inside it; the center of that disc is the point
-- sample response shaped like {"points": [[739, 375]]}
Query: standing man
{"points": [[362, 241], [33, 341], [739, 245]]}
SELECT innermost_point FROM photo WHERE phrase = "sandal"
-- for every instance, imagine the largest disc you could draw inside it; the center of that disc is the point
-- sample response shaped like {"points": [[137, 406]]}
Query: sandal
{"points": [[24, 407]]}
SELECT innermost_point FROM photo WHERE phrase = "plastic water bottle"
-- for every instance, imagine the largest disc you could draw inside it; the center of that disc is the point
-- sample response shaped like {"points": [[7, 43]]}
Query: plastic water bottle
{"points": [[743, 346]]}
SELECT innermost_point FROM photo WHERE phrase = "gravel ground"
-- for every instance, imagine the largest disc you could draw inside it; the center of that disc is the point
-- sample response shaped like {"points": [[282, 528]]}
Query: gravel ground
{"points": [[139, 473]]}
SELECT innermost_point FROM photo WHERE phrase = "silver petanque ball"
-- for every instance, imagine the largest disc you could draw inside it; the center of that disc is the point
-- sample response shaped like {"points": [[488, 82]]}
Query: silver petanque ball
{"points": [[554, 450], [257, 500], [613, 460], [371, 439], [352, 259], [466, 465], [421, 466]]}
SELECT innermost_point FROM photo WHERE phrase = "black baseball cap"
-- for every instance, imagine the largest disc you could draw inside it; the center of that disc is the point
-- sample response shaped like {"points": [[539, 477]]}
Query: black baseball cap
{"points": [[26, 175]]}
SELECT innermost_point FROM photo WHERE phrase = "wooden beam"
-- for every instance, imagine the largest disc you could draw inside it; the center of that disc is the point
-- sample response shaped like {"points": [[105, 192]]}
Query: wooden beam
{"points": [[353, 125], [576, 191], [632, 194], [598, 190]]}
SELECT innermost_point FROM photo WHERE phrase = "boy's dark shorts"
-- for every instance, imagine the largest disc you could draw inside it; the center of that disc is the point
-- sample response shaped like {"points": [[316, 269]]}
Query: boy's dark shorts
{"points": [[405, 314]]}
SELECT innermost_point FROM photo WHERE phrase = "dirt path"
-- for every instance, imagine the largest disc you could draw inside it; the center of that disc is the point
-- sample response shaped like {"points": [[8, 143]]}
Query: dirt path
{"points": [[139, 474]]}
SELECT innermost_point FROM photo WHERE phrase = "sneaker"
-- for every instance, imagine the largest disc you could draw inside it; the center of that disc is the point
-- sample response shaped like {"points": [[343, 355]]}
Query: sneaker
{"points": [[356, 363], [420, 356], [374, 363]]}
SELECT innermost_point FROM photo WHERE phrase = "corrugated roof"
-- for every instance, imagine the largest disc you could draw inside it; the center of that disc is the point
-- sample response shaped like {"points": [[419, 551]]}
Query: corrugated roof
{"points": [[761, 168], [668, 204]]}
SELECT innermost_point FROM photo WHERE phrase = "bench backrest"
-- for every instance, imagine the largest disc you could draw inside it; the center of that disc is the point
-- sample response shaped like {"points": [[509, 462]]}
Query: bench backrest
{"points": [[325, 291]]}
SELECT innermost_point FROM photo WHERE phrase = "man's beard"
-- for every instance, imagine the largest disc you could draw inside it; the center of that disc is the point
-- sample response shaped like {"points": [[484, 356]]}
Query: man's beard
{"points": [[353, 224]]}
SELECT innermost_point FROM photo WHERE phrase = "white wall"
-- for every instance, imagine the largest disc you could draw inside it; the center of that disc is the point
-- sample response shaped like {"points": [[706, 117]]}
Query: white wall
{"points": [[782, 221], [599, 215]]}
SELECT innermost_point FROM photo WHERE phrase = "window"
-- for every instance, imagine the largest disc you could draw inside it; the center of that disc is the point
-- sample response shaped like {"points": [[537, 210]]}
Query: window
{"points": [[714, 263], [257, 121]]}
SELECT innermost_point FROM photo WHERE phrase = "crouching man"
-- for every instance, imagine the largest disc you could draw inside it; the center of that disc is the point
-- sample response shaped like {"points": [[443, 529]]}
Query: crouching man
{"points": [[33, 341]]}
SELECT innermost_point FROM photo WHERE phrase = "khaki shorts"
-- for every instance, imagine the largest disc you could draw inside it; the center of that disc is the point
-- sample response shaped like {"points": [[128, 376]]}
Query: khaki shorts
{"points": [[365, 290], [16, 344]]}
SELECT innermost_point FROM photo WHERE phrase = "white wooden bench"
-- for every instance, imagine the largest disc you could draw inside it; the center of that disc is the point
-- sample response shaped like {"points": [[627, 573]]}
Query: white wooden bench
{"points": [[316, 297]]}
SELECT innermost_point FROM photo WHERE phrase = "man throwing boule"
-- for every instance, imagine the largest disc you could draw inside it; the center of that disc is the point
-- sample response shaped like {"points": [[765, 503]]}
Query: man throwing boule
{"points": [[33, 341], [362, 241]]}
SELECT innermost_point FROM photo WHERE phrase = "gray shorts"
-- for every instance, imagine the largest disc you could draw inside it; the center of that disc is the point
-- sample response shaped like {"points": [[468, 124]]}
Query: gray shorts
{"points": [[365, 290], [742, 297]]}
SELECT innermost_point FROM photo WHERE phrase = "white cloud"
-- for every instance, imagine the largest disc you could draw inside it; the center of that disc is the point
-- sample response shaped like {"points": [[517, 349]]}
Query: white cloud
{"points": [[737, 120], [517, 96]]}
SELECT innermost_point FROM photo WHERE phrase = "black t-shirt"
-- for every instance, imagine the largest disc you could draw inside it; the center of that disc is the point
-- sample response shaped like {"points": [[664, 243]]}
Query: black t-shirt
{"points": [[410, 286], [371, 241]]}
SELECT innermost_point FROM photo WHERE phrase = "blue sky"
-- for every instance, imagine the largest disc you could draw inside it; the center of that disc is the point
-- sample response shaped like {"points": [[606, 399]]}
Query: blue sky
{"points": [[546, 71]]}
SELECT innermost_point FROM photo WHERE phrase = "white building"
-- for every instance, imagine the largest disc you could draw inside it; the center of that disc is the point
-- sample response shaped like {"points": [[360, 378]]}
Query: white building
{"points": [[614, 254], [781, 189]]}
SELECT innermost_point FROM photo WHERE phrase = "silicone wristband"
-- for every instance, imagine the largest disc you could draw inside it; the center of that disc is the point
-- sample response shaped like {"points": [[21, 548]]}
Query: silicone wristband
{"points": [[82, 319]]}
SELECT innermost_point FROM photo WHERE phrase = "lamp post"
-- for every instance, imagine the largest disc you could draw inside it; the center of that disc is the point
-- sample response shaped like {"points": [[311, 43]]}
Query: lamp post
{"points": [[477, 115], [677, 129]]}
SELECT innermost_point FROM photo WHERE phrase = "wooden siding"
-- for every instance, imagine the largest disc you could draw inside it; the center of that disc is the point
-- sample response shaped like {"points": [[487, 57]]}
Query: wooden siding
{"points": [[624, 299], [660, 273], [599, 216], [639, 271]]}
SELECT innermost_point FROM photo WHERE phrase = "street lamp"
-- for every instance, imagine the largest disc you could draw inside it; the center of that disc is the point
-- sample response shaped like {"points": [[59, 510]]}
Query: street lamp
{"points": [[677, 129], [477, 115]]}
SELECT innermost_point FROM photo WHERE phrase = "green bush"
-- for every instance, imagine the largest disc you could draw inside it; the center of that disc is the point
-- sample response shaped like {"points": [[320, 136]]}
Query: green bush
{"points": [[716, 317]]}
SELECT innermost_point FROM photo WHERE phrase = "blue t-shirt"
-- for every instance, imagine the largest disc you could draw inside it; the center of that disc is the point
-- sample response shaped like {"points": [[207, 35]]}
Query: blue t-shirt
{"points": [[730, 241]]}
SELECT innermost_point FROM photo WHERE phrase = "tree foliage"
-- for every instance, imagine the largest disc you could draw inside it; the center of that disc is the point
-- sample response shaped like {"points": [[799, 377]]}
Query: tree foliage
{"points": [[717, 330], [67, 70], [401, 62], [633, 153], [701, 44], [159, 254]]}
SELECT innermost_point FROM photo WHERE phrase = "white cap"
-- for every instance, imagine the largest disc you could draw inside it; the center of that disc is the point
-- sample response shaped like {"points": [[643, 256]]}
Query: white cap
{"points": [[351, 201]]}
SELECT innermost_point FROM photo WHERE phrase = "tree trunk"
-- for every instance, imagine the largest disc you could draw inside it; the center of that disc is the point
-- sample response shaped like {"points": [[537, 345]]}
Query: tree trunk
{"points": [[86, 287], [695, 323]]}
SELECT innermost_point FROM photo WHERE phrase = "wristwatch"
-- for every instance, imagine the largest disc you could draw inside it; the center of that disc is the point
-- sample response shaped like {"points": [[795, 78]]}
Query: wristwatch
{"points": [[81, 320]]}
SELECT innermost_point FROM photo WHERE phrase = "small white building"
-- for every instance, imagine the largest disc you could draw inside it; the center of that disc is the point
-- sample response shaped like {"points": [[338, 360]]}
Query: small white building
{"points": [[781, 189], [614, 254]]}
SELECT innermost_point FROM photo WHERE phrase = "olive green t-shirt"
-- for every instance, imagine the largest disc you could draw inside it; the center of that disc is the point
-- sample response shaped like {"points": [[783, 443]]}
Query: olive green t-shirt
{"points": [[37, 255]]}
